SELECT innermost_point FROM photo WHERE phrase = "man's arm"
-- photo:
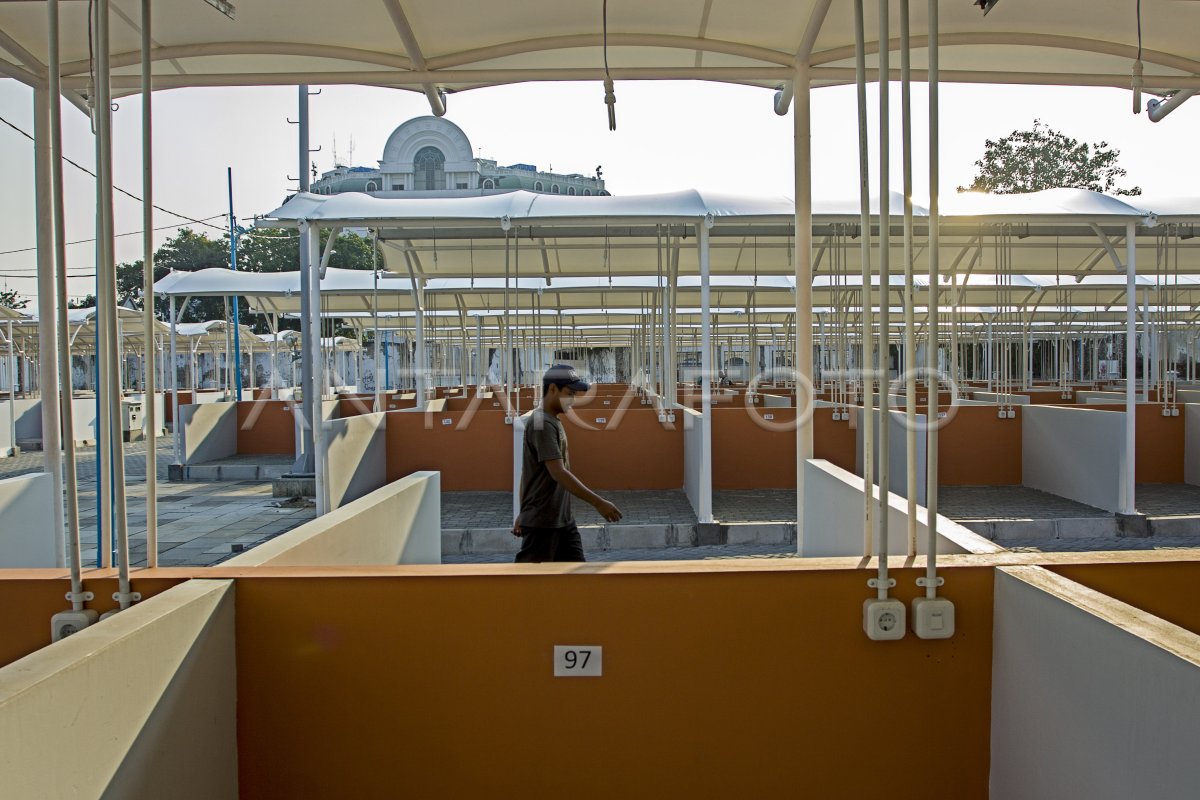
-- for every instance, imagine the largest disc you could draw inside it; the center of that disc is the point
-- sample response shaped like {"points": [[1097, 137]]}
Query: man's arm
{"points": [[568, 481]]}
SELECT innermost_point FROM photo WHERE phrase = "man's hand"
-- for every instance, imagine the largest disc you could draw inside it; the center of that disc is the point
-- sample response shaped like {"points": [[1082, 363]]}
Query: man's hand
{"points": [[516, 529], [608, 510]]}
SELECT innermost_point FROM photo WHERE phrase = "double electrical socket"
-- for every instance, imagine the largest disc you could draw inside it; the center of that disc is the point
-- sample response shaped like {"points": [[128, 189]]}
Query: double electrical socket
{"points": [[886, 620]]}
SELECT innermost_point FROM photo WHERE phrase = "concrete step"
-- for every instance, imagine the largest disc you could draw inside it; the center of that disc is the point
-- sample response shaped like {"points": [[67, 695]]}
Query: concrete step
{"points": [[477, 541], [226, 472], [1000, 530]]}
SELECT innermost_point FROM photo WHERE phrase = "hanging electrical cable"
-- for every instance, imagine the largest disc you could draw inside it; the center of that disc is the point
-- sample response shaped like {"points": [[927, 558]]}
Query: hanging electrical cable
{"points": [[610, 94]]}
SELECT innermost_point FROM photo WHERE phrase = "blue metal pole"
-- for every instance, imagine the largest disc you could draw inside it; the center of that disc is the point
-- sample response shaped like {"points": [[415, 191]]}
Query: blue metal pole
{"points": [[237, 341]]}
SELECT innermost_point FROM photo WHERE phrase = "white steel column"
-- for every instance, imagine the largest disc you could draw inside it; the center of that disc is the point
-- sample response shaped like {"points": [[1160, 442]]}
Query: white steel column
{"points": [[802, 163], [150, 387], [885, 300], [61, 312], [315, 387], [47, 328], [910, 341], [704, 513], [932, 382], [176, 427], [864, 199], [1128, 501]]}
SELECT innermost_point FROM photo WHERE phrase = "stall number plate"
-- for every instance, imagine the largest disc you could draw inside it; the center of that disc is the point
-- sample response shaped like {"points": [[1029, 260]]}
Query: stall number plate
{"points": [[768, 416], [601, 420], [578, 661], [447, 421]]}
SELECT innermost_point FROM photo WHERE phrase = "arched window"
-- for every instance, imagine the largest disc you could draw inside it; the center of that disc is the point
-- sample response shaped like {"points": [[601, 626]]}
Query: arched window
{"points": [[489, 184], [587, 192], [429, 166], [554, 188], [538, 187], [371, 187], [570, 190]]}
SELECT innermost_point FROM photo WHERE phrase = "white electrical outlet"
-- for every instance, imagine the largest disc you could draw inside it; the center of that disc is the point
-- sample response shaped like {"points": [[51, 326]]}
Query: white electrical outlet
{"points": [[662, 417], [65, 623], [884, 620], [1012, 413], [933, 617]]}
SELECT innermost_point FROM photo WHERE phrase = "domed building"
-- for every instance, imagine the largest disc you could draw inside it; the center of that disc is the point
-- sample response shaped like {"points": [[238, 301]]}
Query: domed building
{"points": [[432, 156]]}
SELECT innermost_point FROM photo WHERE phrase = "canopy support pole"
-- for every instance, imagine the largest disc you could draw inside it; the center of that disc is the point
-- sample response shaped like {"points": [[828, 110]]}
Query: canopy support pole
{"points": [[802, 122], [47, 329], [1128, 501], [177, 428], [150, 387], [704, 512], [306, 460], [313, 390]]}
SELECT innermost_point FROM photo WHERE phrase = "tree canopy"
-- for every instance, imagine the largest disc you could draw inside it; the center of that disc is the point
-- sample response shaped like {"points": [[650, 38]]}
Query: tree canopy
{"points": [[10, 299], [1042, 158]]}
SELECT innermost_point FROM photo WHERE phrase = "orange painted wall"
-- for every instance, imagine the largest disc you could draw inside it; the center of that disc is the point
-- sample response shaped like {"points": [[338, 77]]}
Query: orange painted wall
{"points": [[355, 406], [1160, 445], [977, 448], [477, 458], [185, 398], [747, 455], [265, 427], [638, 452], [1166, 589], [834, 440], [33, 596], [718, 683]]}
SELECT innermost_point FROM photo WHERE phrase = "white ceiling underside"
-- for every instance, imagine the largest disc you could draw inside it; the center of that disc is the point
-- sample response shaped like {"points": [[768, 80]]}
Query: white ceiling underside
{"points": [[456, 45]]}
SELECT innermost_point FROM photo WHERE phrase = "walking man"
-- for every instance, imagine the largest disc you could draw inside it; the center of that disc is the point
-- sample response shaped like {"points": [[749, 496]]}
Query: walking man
{"points": [[545, 523]]}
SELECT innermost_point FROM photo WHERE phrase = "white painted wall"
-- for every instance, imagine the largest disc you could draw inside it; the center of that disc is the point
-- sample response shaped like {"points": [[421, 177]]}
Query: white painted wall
{"points": [[6, 439], [1100, 398], [209, 431], [26, 524], [357, 457], [1191, 443], [897, 453], [29, 419], [1076, 453], [139, 705], [1090, 697], [994, 397], [833, 518], [692, 445], [400, 523]]}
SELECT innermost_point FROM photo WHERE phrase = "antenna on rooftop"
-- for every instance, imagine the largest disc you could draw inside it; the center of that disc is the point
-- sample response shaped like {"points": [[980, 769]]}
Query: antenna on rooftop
{"points": [[351, 150], [336, 163]]}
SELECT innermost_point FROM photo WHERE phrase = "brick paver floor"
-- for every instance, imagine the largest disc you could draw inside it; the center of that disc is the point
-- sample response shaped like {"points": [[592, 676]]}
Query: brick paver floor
{"points": [[474, 510], [1009, 502]]}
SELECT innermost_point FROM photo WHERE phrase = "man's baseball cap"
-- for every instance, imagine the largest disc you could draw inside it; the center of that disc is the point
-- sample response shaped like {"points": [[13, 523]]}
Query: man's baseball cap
{"points": [[563, 375]]}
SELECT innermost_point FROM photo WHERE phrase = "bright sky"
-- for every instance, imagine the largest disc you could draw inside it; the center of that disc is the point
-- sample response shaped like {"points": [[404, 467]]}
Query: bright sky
{"points": [[669, 136]]}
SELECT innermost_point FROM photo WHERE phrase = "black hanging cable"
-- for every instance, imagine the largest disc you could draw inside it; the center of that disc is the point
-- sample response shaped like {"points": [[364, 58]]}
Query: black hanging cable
{"points": [[1137, 65], [610, 95]]}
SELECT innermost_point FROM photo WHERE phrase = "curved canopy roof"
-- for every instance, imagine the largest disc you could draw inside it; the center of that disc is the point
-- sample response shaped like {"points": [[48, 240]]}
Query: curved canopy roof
{"points": [[434, 46]]}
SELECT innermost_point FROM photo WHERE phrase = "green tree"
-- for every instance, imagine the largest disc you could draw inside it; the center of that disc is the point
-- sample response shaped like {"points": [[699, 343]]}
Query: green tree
{"points": [[10, 299], [1042, 158]]}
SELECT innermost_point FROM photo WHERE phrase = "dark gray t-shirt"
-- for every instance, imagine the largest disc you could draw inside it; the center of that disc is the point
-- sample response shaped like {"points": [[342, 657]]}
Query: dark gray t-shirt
{"points": [[544, 501]]}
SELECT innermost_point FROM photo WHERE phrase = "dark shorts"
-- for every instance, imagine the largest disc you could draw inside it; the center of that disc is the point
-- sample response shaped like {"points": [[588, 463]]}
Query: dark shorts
{"points": [[550, 544]]}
